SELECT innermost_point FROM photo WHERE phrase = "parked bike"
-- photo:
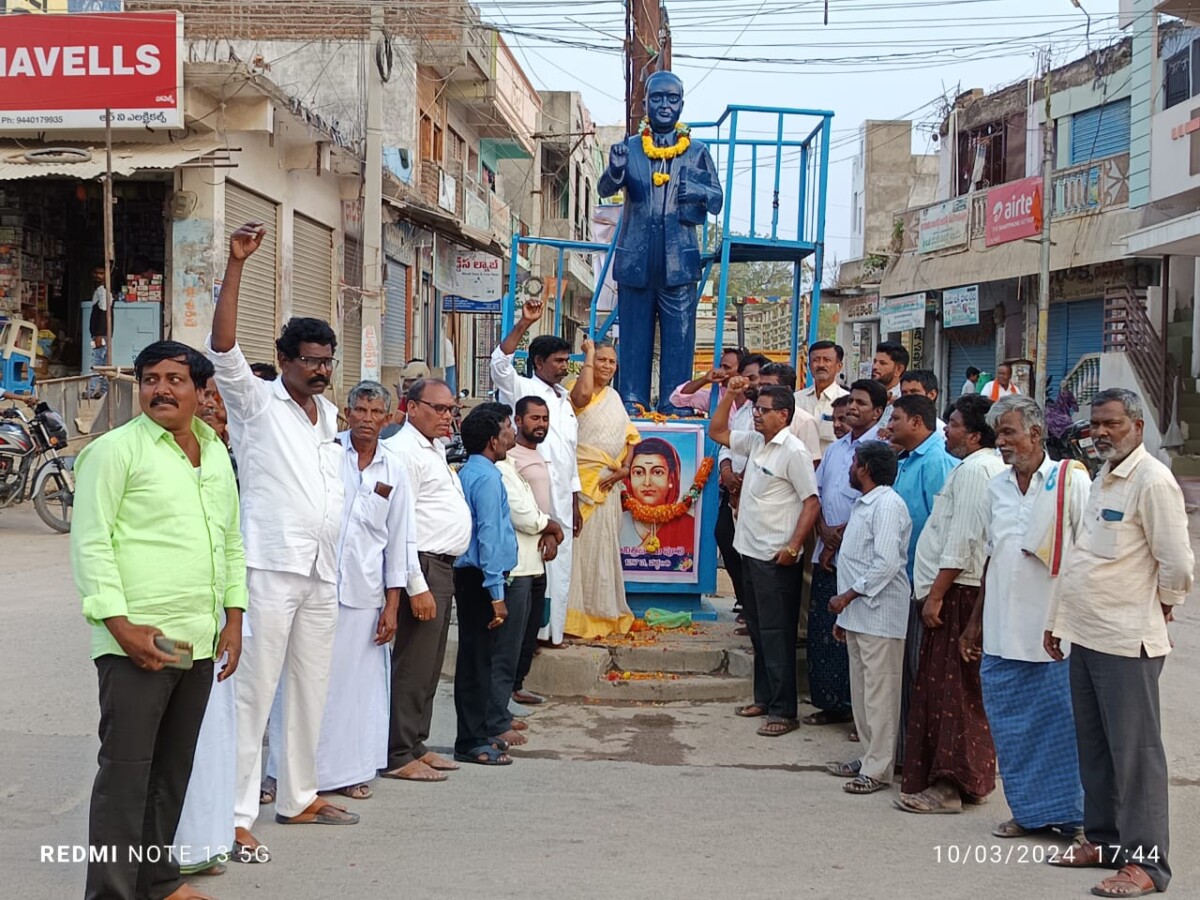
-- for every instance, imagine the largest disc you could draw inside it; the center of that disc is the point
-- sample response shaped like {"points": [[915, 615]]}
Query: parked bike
{"points": [[1067, 439], [32, 465]]}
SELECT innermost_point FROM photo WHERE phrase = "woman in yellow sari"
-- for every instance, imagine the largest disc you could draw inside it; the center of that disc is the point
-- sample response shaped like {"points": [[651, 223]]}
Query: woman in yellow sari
{"points": [[596, 605]]}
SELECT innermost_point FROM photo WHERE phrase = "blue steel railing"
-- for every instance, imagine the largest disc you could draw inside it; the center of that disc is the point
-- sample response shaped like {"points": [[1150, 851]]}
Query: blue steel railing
{"points": [[796, 156]]}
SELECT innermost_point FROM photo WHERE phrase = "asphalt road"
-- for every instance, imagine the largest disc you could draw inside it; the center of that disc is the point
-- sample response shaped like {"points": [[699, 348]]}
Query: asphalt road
{"points": [[651, 801]]}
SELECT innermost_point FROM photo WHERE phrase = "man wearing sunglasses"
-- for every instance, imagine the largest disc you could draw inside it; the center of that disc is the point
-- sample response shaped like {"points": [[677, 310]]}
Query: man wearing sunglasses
{"points": [[290, 467]]}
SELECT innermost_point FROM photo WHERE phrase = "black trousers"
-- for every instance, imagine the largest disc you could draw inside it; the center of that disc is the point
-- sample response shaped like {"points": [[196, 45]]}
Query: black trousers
{"points": [[149, 722], [1122, 764], [724, 535], [506, 653], [417, 659], [473, 671], [537, 605], [912, 662], [771, 605]]}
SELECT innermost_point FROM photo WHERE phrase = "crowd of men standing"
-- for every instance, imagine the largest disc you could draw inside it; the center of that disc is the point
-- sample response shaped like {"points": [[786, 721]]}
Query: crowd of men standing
{"points": [[952, 569], [972, 602], [301, 587]]}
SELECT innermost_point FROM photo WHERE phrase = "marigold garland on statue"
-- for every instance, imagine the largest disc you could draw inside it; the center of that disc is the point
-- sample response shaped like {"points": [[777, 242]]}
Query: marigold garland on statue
{"points": [[661, 154], [661, 515]]}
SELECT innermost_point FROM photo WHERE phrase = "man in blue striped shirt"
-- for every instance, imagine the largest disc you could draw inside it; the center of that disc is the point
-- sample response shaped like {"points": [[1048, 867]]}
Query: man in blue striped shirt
{"points": [[480, 576], [872, 610]]}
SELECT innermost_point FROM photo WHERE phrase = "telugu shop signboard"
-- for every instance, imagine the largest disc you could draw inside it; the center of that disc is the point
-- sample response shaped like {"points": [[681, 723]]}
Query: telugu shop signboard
{"points": [[62, 72]]}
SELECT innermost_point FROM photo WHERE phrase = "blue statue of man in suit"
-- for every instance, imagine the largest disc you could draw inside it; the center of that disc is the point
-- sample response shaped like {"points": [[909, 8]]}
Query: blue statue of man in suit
{"points": [[656, 264]]}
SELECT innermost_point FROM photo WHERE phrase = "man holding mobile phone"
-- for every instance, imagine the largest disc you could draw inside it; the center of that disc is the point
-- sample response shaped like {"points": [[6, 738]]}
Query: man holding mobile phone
{"points": [[148, 496]]}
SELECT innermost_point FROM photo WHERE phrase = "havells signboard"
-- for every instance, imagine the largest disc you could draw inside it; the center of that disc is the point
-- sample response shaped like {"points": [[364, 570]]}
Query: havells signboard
{"points": [[62, 72]]}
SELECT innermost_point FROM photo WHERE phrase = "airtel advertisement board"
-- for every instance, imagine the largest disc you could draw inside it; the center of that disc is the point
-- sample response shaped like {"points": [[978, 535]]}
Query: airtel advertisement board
{"points": [[62, 72], [1014, 211]]}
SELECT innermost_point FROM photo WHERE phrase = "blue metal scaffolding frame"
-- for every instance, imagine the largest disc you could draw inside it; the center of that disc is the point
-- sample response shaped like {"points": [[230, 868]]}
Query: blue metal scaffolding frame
{"points": [[793, 135]]}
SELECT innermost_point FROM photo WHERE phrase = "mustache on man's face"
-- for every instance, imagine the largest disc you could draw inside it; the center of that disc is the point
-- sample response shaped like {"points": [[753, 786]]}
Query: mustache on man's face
{"points": [[318, 379], [164, 401]]}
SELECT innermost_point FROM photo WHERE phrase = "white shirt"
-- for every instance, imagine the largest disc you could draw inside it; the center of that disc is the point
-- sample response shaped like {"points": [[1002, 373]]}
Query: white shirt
{"points": [[833, 482], [820, 407], [443, 517], [967, 388], [289, 470], [1133, 555], [778, 479], [562, 441], [993, 391], [527, 518], [1018, 587], [955, 536], [873, 561], [100, 297], [802, 426], [378, 546]]}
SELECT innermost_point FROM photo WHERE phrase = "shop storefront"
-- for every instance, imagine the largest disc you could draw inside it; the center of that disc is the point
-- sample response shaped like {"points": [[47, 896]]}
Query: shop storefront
{"points": [[51, 249]]}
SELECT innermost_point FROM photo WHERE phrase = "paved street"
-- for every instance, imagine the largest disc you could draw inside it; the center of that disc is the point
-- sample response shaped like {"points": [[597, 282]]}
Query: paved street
{"points": [[651, 801]]}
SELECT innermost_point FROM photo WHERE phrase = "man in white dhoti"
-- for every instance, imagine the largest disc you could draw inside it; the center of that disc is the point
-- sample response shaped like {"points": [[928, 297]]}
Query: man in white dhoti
{"points": [[548, 356], [377, 550], [292, 497]]}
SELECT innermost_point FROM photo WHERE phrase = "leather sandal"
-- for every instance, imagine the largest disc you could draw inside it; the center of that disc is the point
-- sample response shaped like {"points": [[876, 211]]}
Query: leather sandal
{"points": [[1130, 881], [1080, 856]]}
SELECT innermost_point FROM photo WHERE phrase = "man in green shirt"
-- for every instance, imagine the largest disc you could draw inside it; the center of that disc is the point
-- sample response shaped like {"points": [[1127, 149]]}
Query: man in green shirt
{"points": [[156, 551]]}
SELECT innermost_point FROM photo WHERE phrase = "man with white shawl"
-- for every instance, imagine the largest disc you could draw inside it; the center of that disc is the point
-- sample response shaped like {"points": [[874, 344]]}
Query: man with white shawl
{"points": [[1037, 508]]}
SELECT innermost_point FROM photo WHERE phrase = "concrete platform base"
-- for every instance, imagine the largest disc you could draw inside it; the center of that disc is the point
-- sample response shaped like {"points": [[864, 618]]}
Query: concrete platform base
{"points": [[707, 662]]}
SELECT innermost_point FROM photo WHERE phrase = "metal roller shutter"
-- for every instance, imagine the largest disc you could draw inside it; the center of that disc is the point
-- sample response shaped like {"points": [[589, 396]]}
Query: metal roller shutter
{"points": [[257, 324], [1100, 132], [350, 333], [312, 269], [395, 318], [1076, 329], [981, 356]]}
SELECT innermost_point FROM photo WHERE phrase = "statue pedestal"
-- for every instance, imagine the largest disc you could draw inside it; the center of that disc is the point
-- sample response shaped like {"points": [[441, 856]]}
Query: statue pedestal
{"points": [[674, 567]]}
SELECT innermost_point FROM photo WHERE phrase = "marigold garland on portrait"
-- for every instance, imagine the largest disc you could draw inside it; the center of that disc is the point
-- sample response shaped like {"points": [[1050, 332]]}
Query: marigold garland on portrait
{"points": [[661, 515]]}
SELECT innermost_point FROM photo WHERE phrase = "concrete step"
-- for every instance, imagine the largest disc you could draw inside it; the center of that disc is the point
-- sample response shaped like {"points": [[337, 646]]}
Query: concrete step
{"points": [[1179, 330], [711, 665], [1186, 466], [1180, 348]]}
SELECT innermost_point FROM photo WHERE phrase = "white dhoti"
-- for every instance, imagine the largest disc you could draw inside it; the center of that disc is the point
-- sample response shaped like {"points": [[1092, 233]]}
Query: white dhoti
{"points": [[293, 621], [354, 730], [558, 570], [205, 829]]}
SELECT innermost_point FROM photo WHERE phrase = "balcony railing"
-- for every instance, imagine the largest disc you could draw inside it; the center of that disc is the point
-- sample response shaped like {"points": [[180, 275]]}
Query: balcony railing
{"points": [[1083, 381], [1128, 330]]}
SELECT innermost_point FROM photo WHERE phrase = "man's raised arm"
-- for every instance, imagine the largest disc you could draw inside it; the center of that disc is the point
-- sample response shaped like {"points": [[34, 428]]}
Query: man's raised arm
{"points": [[242, 243]]}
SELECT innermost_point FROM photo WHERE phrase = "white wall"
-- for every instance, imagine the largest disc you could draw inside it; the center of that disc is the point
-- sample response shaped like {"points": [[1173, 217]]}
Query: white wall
{"points": [[1117, 372], [1170, 157], [261, 167]]}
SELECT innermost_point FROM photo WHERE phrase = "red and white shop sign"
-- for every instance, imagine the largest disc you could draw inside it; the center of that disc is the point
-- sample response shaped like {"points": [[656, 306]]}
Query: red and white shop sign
{"points": [[62, 72], [1014, 211]]}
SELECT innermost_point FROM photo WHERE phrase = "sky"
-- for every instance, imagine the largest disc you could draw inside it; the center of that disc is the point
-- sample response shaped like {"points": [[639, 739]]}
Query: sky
{"points": [[876, 59]]}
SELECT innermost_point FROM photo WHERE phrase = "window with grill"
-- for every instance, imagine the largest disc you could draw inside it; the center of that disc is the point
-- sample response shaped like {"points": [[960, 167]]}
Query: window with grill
{"points": [[1177, 79]]}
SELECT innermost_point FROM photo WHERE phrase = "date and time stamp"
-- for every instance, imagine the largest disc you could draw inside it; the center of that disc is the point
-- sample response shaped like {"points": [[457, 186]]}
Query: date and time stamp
{"points": [[1037, 854]]}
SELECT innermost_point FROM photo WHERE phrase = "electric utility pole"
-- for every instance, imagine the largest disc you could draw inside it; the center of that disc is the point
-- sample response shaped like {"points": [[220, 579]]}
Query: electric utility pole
{"points": [[1043, 320], [372, 218], [647, 50]]}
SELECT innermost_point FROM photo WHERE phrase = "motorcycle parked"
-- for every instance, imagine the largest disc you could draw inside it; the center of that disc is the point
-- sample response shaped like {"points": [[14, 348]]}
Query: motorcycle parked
{"points": [[1068, 439], [31, 464]]}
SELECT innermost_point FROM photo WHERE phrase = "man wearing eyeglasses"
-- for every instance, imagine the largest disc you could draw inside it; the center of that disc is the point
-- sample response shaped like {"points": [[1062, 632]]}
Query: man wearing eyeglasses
{"points": [[443, 533], [778, 509], [290, 467]]}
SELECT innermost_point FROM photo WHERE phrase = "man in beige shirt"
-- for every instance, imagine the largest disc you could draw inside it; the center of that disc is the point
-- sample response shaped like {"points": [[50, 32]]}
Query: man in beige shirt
{"points": [[1122, 579], [824, 362]]}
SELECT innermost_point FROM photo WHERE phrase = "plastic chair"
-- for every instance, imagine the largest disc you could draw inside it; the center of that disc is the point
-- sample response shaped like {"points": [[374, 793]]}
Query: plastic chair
{"points": [[18, 349]]}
